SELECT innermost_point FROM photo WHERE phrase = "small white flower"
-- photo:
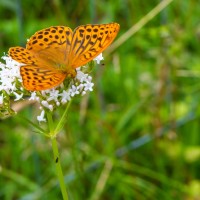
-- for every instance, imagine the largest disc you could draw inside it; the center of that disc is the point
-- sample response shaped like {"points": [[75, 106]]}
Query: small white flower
{"points": [[34, 96], [73, 91], [53, 95], [50, 107], [65, 96], [81, 76], [89, 79], [88, 86], [45, 104], [41, 117], [99, 58], [18, 96], [80, 87]]}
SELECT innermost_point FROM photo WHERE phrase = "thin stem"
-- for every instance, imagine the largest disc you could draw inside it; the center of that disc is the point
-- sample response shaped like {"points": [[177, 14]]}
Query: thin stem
{"points": [[63, 119], [101, 183], [163, 4], [52, 133], [58, 168], [50, 124]]}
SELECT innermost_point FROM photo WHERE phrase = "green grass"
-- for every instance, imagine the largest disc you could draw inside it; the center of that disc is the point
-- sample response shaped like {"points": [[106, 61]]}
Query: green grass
{"points": [[139, 135]]}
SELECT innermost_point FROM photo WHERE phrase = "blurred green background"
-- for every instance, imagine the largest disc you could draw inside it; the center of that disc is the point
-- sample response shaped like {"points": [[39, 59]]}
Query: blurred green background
{"points": [[137, 135]]}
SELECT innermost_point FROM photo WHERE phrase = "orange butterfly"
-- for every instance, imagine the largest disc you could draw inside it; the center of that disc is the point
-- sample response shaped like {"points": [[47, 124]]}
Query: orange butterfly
{"points": [[54, 53]]}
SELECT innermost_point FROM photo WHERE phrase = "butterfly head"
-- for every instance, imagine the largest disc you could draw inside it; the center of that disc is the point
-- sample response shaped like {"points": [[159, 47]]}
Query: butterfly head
{"points": [[70, 73], [65, 69]]}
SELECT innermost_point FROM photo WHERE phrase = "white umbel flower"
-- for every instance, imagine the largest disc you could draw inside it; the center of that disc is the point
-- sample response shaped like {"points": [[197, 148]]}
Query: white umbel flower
{"points": [[11, 84], [10, 73]]}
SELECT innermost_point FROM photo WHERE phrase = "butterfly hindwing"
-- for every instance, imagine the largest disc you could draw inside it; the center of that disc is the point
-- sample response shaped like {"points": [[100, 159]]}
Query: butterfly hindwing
{"points": [[40, 78], [89, 41], [22, 55], [37, 74]]}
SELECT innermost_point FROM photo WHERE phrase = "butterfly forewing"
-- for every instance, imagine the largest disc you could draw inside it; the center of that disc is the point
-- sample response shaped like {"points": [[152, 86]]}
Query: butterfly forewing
{"points": [[39, 73], [53, 43], [89, 41], [54, 36]]}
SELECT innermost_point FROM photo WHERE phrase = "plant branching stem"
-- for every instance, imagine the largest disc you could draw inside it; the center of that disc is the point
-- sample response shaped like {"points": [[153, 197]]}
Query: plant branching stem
{"points": [[53, 131], [58, 168]]}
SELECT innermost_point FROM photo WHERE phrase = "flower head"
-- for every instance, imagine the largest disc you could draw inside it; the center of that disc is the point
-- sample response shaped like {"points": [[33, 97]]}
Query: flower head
{"points": [[11, 85], [10, 75]]}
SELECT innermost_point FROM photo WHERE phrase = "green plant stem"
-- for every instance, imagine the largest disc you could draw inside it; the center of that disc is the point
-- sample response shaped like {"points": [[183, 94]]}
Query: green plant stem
{"points": [[53, 131], [62, 119], [58, 168], [162, 5]]}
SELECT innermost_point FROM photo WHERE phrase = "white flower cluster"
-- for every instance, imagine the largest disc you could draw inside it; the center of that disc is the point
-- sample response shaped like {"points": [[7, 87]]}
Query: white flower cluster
{"points": [[11, 83], [57, 96], [9, 76]]}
